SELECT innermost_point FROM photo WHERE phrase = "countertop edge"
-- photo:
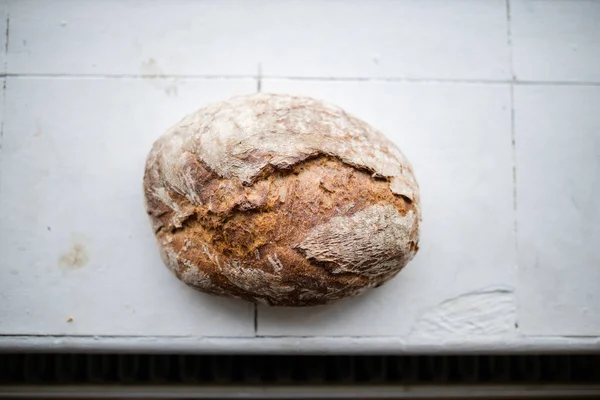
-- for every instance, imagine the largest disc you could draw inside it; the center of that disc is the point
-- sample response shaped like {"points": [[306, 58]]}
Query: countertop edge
{"points": [[298, 345]]}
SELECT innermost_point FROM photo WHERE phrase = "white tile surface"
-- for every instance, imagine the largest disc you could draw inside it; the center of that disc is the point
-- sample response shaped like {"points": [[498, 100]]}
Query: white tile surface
{"points": [[74, 237], [556, 40], [459, 141], [2, 81], [3, 21], [558, 187], [132, 37], [408, 39], [73, 150]]}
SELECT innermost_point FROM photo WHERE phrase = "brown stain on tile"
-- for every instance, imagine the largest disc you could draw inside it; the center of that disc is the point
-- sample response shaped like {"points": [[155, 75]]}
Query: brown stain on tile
{"points": [[156, 77], [75, 257]]}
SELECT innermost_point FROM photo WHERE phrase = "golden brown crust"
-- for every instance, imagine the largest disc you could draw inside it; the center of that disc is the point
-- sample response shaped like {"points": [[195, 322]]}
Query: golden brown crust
{"points": [[270, 240]]}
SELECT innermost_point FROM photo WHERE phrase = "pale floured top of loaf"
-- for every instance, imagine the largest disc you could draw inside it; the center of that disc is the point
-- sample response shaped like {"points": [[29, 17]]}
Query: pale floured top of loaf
{"points": [[364, 242], [240, 137]]}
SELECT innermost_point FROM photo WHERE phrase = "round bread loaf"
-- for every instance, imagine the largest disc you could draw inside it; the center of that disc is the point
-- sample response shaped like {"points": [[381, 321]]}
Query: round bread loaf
{"points": [[281, 200]]}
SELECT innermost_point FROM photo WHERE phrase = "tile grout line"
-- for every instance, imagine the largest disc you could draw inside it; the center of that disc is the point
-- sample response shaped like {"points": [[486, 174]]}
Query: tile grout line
{"points": [[512, 81], [255, 320], [513, 143], [259, 78], [4, 78], [258, 90], [512, 113], [243, 337]]}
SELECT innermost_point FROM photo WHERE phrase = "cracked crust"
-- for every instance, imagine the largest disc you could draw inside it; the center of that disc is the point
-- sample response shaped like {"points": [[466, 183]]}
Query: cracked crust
{"points": [[281, 200]]}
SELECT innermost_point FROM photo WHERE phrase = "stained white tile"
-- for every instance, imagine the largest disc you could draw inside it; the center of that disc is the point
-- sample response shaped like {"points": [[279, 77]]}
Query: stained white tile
{"points": [[558, 187], [408, 39], [74, 237], [375, 38], [458, 139], [556, 40], [132, 37]]}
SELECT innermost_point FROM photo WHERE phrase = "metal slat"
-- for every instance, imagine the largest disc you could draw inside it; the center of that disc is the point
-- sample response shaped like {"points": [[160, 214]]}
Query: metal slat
{"points": [[130, 369]]}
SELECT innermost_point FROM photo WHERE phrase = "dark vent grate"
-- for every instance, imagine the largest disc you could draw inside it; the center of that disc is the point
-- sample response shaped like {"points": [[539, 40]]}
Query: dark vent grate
{"points": [[295, 370]]}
